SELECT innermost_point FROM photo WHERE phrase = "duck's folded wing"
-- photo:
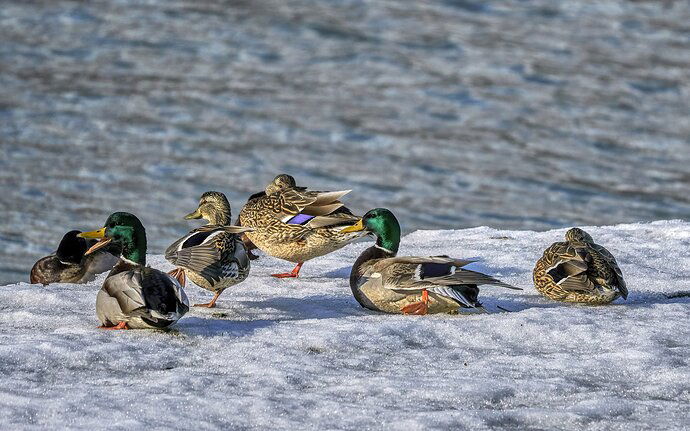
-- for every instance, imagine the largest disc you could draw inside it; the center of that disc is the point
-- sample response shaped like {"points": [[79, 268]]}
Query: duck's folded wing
{"points": [[416, 273], [613, 265], [126, 289], [569, 268]]}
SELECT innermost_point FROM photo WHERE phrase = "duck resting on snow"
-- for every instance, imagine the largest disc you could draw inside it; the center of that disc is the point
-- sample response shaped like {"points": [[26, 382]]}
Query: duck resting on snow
{"points": [[134, 296], [212, 256], [294, 224], [579, 270], [69, 264], [381, 281]]}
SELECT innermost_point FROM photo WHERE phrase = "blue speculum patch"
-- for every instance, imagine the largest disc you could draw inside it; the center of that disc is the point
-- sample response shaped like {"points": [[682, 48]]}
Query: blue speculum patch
{"points": [[300, 219], [435, 270]]}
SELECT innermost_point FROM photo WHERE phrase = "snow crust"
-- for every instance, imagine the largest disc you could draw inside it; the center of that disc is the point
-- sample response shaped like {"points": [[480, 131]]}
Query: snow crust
{"points": [[286, 354]]}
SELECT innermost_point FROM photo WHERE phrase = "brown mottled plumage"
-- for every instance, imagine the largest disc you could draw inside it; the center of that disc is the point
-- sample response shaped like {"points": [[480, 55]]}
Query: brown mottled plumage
{"points": [[294, 224], [212, 256], [579, 270]]}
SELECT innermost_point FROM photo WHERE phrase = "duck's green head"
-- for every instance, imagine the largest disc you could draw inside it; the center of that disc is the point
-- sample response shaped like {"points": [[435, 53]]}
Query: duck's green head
{"points": [[382, 223], [214, 207], [124, 229]]}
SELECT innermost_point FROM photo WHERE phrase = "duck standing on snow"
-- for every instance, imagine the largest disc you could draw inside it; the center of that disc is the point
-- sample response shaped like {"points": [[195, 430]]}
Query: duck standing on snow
{"points": [[578, 270], [294, 224], [212, 256], [380, 281], [134, 296], [69, 264]]}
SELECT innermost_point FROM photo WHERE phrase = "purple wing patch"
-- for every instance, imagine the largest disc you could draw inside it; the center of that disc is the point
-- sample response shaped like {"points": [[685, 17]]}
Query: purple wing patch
{"points": [[300, 219]]}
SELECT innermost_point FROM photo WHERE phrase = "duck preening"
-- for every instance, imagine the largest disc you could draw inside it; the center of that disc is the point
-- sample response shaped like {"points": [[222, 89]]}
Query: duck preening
{"points": [[579, 270], [213, 256], [294, 224], [382, 281], [134, 295]]}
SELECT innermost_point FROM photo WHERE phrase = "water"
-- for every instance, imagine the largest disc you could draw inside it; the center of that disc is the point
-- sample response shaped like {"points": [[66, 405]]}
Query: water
{"points": [[513, 114]]}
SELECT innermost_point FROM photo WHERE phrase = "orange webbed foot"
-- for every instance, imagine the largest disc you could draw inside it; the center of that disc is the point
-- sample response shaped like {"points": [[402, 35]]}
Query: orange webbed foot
{"points": [[121, 325]]}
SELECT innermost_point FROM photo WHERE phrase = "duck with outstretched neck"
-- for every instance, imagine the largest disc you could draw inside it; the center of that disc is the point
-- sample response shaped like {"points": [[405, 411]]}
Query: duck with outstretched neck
{"points": [[134, 296], [382, 281]]}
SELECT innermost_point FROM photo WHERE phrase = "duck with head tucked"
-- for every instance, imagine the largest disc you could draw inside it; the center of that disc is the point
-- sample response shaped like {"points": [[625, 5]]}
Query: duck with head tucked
{"points": [[70, 264], [382, 281], [294, 224], [212, 256], [579, 270], [134, 296]]}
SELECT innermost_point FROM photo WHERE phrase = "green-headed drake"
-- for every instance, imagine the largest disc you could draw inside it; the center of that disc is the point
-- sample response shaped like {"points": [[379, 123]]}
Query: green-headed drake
{"points": [[579, 270], [70, 264], [381, 281], [294, 224], [134, 296], [212, 256]]}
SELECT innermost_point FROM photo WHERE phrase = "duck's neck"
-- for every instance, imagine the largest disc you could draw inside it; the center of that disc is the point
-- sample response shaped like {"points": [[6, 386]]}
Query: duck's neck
{"points": [[220, 217], [133, 250], [373, 252]]}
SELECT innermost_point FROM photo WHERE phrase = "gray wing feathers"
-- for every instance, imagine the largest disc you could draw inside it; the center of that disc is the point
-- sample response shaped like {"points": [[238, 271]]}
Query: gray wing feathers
{"points": [[126, 291]]}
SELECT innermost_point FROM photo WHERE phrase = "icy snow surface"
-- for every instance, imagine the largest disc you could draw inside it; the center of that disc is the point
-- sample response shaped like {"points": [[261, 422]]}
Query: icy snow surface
{"points": [[302, 353]]}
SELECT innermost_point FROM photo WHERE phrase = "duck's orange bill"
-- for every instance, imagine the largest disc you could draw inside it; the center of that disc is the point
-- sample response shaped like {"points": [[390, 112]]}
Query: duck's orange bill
{"points": [[96, 234]]}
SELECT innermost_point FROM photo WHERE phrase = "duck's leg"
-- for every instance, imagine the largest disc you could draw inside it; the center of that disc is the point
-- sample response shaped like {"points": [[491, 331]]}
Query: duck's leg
{"points": [[213, 301], [121, 325], [419, 308], [293, 274], [179, 275]]}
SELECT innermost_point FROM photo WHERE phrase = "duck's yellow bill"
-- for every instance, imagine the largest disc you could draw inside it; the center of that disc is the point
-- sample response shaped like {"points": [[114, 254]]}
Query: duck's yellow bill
{"points": [[359, 226], [193, 215], [96, 234]]}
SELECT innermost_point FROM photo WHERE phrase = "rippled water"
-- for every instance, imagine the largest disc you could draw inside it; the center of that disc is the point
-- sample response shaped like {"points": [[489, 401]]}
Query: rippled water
{"points": [[514, 114]]}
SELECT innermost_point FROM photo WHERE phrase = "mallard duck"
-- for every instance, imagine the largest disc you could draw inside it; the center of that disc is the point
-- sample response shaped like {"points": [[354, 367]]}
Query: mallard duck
{"points": [[69, 264], [381, 281], [579, 270], [134, 295], [297, 225], [212, 256]]}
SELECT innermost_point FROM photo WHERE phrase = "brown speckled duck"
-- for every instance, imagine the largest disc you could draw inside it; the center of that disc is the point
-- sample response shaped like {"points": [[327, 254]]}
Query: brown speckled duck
{"points": [[212, 256], [294, 224], [579, 270], [382, 281]]}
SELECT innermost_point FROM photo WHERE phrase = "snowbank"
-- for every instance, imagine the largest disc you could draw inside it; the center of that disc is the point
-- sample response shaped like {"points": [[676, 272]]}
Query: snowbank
{"points": [[302, 353]]}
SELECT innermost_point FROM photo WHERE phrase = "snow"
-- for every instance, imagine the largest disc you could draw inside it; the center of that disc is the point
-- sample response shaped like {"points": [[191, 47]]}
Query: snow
{"points": [[288, 354]]}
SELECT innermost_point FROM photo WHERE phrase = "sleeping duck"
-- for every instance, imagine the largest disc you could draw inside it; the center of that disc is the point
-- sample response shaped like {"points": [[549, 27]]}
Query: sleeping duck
{"points": [[134, 296], [381, 281], [294, 224], [579, 270], [212, 256], [69, 264]]}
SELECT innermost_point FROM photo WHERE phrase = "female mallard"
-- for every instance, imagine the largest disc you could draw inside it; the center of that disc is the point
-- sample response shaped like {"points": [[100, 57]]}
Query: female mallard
{"points": [[134, 295], [69, 264], [578, 270], [212, 256], [297, 225], [380, 281]]}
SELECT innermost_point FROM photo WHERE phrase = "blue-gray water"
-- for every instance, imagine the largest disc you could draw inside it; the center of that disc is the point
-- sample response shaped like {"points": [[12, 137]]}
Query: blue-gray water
{"points": [[513, 114]]}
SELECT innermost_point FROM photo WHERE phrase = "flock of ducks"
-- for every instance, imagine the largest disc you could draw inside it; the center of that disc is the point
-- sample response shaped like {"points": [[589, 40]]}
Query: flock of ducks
{"points": [[295, 224]]}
